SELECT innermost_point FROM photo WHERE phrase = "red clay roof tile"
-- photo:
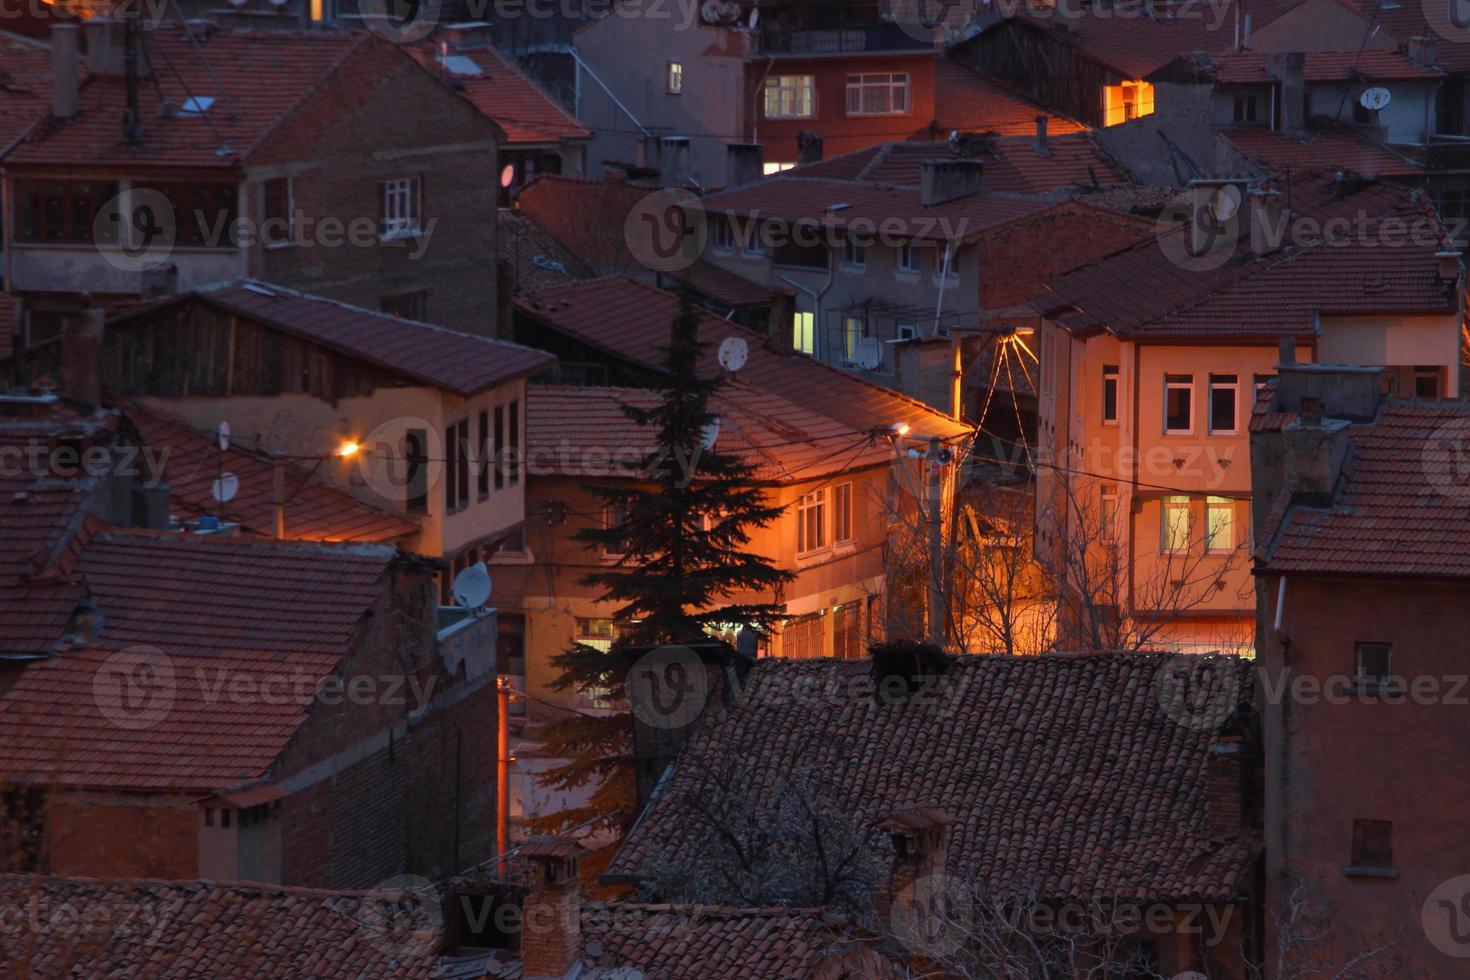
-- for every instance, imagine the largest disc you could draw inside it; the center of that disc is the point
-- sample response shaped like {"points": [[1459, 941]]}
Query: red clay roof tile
{"points": [[527, 114]]}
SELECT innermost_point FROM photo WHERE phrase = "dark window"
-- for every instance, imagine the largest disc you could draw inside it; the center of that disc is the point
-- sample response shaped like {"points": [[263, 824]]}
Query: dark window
{"points": [[1426, 382], [1224, 389], [1372, 844], [1449, 107], [514, 441], [483, 468], [63, 210], [1374, 664], [224, 817], [462, 477], [209, 816], [204, 213], [801, 256], [1245, 108], [22, 828], [1110, 393], [406, 306], [1178, 398], [275, 211], [416, 476], [498, 434]]}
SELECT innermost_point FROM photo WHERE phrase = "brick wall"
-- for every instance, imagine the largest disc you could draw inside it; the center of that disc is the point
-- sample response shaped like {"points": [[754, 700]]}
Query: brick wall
{"points": [[100, 838], [1017, 264]]}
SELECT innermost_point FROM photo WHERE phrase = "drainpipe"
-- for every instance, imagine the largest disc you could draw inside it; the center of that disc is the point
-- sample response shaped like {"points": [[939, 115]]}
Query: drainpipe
{"points": [[816, 295]]}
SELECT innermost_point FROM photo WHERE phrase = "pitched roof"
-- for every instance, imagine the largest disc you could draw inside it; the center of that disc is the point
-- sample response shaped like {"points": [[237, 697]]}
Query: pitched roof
{"points": [[1341, 147], [630, 320], [25, 85], [1400, 508], [727, 287], [256, 78], [1012, 165], [968, 100], [1249, 67], [1280, 294], [461, 363], [196, 610], [527, 114], [539, 259], [1403, 21], [1072, 777], [190, 928], [314, 511], [585, 216]]}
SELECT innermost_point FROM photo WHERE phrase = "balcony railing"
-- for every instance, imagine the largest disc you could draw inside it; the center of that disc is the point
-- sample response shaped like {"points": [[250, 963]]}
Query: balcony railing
{"points": [[877, 37]]}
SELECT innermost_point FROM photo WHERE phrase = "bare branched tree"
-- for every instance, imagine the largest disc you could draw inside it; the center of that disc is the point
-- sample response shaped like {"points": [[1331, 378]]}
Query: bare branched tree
{"points": [[1309, 942]]}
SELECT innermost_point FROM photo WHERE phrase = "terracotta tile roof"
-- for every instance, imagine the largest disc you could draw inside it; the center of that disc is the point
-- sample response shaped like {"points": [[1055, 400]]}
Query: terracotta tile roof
{"points": [[726, 287], [527, 114], [1007, 745], [586, 216], [1341, 148], [205, 608], [315, 511], [970, 101], [1403, 21], [540, 261], [257, 79], [25, 86], [1012, 165], [1249, 67], [461, 363], [1401, 507], [181, 929], [1267, 297], [630, 320]]}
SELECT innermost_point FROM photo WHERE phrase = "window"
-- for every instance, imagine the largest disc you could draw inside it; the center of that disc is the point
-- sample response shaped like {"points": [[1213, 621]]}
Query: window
{"points": [[63, 210], [209, 816], [1449, 107], [754, 245], [204, 213], [1219, 524], [416, 470], [457, 465], [1178, 407], [1224, 389], [1110, 394], [908, 258], [615, 518], [399, 208], [1176, 525], [722, 235], [907, 331], [406, 306], [803, 333], [854, 256], [22, 828], [854, 329], [1245, 109], [1372, 844], [847, 631], [791, 97], [482, 465], [774, 167], [1108, 511], [224, 817], [811, 522], [878, 95], [802, 255], [1129, 100], [1426, 382], [1374, 665], [515, 545], [842, 513], [498, 450], [804, 638], [275, 212], [596, 633], [513, 442], [948, 267], [676, 78]]}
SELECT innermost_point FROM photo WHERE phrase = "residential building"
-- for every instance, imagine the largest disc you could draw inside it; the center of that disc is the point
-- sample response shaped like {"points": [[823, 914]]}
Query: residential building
{"points": [[821, 441], [254, 154], [1144, 393], [185, 704], [969, 759], [1362, 533], [423, 422]]}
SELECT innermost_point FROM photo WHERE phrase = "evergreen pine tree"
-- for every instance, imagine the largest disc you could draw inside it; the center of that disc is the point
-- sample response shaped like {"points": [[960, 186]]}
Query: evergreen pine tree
{"points": [[682, 530]]}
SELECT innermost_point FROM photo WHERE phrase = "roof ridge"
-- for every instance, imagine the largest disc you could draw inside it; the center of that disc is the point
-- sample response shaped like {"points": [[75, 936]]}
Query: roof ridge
{"points": [[206, 884], [358, 549]]}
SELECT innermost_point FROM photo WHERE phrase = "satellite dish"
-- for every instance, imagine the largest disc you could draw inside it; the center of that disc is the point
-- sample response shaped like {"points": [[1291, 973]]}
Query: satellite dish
{"points": [[471, 587], [709, 11], [508, 175], [1225, 202], [224, 487], [238, 3], [711, 433], [1375, 98], [224, 436], [733, 353], [755, 17], [279, 3], [870, 353]]}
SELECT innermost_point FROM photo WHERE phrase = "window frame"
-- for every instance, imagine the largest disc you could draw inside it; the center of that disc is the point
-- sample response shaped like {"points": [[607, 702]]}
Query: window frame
{"points": [[1368, 682], [1374, 855], [1175, 503], [751, 245], [400, 208], [1218, 383], [786, 96], [910, 262], [1214, 504], [267, 214], [722, 234], [1110, 382], [859, 84], [844, 528], [674, 78], [814, 502], [804, 322], [1172, 382], [854, 255]]}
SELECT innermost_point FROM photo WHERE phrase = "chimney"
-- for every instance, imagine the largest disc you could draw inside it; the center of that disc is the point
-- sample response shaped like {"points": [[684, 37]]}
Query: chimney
{"points": [[1423, 52], [1287, 68], [1450, 266], [107, 46], [64, 92], [1287, 351], [551, 913], [1225, 787], [744, 163], [808, 147], [1042, 147], [81, 346], [920, 839], [947, 180], [673, 161], [1266, 224]]}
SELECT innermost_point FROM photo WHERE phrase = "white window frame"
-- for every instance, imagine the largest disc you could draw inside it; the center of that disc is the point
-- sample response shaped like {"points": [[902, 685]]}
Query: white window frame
{"points": [[804, 332], [854, 255], [674, 78], [402, 207], [722, 234], [751, 245], [1212, 506], [907, 331], [1110, 377], [1234, 388], [814, 502], [775, 167], [842, 512], [1168, 505], [896, 85], [791, 97], [1183, 386], [946, 266], [1108, 522], [909, 263]]}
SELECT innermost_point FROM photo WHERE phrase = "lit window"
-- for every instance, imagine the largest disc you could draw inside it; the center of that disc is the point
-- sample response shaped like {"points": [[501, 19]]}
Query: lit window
{"points": [[596, 633], [1110, 394], [676, 78], [1223, 396], [878, 95], [1178, 403], [775, 168], [1127, 101], [399, 208], [842, 513], [1219, 524], [791, 97], [811, 522], [803, 333], [854, 256], [1374, 664], [854, 329], [1176, 524], [908, 258]]}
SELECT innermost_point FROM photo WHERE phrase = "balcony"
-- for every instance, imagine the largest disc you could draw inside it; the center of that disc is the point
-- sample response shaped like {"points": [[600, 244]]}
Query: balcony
{"points": [[881, 37]]}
